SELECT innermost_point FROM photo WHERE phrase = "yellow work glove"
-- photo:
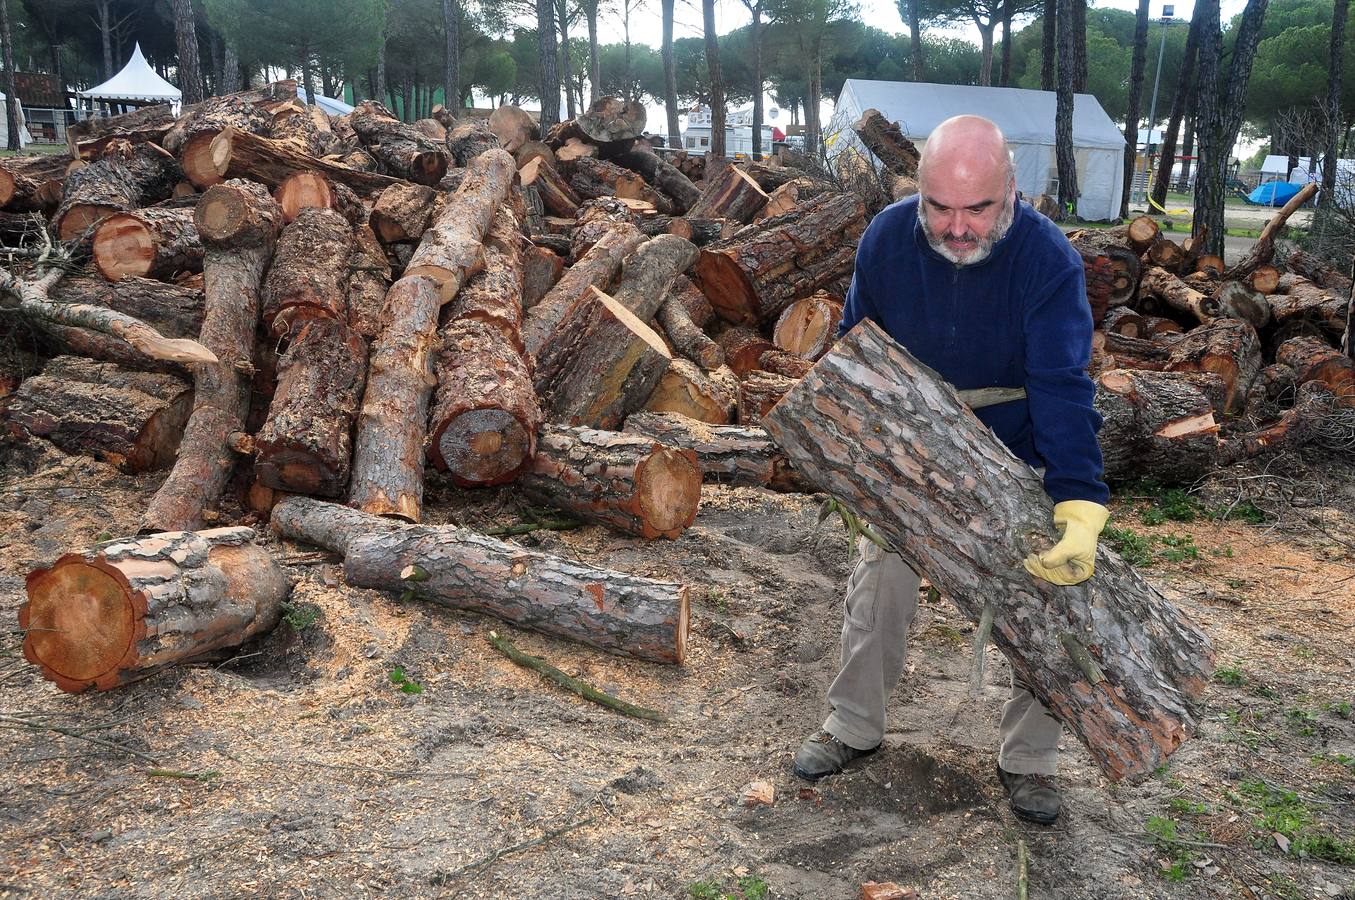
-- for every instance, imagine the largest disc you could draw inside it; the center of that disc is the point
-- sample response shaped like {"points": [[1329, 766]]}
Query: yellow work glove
{"points": [[1073, 559]]}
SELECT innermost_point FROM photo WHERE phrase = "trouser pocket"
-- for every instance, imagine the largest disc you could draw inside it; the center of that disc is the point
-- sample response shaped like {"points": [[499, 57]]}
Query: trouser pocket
{"points": [[863, 588]]}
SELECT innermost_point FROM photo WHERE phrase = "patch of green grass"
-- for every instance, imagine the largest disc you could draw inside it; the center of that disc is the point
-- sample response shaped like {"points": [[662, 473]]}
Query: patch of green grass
{"points": [[704, 890], [1301, 720], [748, 887], [1179, 548], [1339, 708], [718, 598], [1137, 549], [1340, 759], [1166, 835], [1307, 653], [1244, 511], [753, 887], [1284, 887], [300, 616], [1231, 676], [1278, 810], [404, 682], [1184, 806]]}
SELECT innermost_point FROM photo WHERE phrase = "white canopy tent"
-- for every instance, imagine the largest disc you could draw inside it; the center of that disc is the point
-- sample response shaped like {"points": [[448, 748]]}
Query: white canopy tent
{"points": [[24, 137], [137, 84], [1026, 117]]}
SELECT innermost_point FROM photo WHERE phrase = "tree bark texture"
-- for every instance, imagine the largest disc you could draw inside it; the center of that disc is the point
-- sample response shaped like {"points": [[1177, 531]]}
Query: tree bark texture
{"points": [[623, 481], [240, 154], [743, 347], [369, 278], [670, 100], [175, 310], [1185, 86], [759, 391], [305, 446], [309, 276], [732, 194], [1131, 116], [735, 455], [1313, 359], [1063, 110], [687, 337], [884, 139], [556, 194], [152, 243], [662, 175], [1158, 423], [402, 212], [716, 85], [754, 275], [550, 76], [132, 420], [625, 614], [131, 607], [32, 183], [239, 224], [1227, 347], [873, 426], [186, 40], [401, 149], [123, 179]]}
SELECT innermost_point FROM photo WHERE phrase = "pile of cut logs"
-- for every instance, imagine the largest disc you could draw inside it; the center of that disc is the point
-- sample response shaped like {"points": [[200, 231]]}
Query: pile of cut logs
{"points": [[280, 305]]}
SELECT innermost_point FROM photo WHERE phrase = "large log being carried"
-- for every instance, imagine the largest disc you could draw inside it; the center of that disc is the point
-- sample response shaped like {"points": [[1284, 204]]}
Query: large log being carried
{"points": [[132, 420], [455, 567], [884, 139], [125, 178], [402, 149], [754, 275], [242, 154], [32, 182], [239, 223], [740, 455], [309, 276], [389, 449], [624, 481], [130, 607], [305, 446], [154, 243], [1111, 658]]}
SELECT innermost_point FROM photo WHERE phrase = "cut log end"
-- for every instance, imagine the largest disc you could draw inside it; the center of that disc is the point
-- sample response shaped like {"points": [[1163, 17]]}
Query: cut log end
{"points": [[200, 161], [301, 191], [83, 621], [727, 288], [668, 492], [80, 217], [484, 447], [124, 247]]}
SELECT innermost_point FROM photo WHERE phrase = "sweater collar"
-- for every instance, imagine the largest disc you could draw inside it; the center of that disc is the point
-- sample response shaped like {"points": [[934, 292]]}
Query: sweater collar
{"points": [[1023, 209]]}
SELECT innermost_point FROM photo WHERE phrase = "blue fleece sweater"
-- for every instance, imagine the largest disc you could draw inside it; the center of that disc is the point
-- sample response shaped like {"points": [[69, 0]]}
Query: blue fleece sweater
{"points": [[1018, 319]]}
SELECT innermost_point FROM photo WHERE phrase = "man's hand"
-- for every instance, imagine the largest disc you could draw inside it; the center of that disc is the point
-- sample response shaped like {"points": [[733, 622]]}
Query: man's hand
{"points": [[1073, 559]]}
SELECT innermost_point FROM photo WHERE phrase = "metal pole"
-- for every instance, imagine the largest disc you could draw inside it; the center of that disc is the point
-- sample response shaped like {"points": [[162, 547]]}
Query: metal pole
{"points": [[1152, 108]]}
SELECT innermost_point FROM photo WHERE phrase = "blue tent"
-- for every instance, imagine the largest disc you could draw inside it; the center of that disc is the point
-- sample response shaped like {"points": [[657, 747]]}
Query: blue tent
{"points": [[1274, 193]]}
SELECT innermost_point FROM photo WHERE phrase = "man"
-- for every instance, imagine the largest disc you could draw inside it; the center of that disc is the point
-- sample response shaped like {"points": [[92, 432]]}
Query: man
{"points": [[989, 293]]}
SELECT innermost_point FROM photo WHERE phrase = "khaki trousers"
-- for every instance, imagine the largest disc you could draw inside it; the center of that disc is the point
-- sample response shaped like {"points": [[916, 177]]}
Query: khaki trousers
{"points": [[880, 605]]}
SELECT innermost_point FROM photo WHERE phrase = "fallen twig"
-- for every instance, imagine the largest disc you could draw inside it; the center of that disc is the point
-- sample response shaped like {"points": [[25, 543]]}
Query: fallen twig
{"points": [[582, 688], [18, 722], [444, 877]]}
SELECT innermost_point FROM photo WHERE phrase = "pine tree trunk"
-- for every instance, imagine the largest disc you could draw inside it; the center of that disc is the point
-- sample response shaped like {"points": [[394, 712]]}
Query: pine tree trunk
{"points": [[1335, 69], [915, 39], [550, 76], [1006, 42], [451, 82], [670, 101], [756, 38], [11, 91], [717, 81], [1131, 116], [566, 68], [1079, 46], [986, 52], [230, 74], [1183, 183], [186, 39], [1063, 113], [590, 10], [1048, 45]]}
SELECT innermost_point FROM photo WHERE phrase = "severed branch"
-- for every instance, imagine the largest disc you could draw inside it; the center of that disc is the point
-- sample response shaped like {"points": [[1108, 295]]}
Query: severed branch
{"points": [[582, 688], [1264, 248]]}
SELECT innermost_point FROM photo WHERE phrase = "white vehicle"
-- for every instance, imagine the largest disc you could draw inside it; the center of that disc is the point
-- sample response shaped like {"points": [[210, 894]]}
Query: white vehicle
{"points": [[738, 133]]}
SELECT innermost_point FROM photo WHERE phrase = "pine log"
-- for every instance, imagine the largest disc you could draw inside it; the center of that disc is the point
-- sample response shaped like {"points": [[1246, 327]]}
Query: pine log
{"points": [[1227, 347], [779, 362], [687, 337], [727, 454], [594, 219], [541, 271], [759, 391], [534, 150], [305, 189], [733, 194], [309, 276], [1238, 301], [293, 122], [781, 201], [400, 148], [684, 389], [1272, 392], [455, 567], [1263, 251], [87, 138], [591, 178], [649, 272], [368, 281], [757, 273], [30, 183], [175, 311], [1141, 232], [612, 373], [190, 138], [808, 327], [132, 420], [694, 303], [1112, 269], [596, 268], [623, 481], [743, 347], [451, 250], [154, 243], [1301, 299], [699, 231], [572, 149], [1165, 253], [611, 119], [1315, 270], [1210, 264], [884, 139], [388, 450], [127, 177], [130, 607], [1157, 326], [1264, 279], [1177, 295], [1313, 359], [662, 175], [402, 213], [944, 492], [1123, 320], [513, 127], [468, 140], [239, 223], [306, 445], [240, 154], [432, 129], [1157, 424], [556, 194]]}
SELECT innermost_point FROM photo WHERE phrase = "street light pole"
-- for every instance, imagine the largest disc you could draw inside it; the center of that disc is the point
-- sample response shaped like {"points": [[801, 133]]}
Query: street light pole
{"points": [[1167, 11]]}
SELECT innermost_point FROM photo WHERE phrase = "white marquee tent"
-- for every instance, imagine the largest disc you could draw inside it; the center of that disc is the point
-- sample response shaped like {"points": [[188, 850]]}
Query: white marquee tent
{"points": [[1026, 117], [24, 137], [136, 84]]}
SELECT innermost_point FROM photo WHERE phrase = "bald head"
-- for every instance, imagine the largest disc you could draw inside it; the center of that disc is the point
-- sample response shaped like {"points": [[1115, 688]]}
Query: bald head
{"points": [[967, 187]]}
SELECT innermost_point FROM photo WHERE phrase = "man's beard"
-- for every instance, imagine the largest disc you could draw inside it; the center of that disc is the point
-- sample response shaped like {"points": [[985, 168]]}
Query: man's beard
{"points": [[984, 243]]}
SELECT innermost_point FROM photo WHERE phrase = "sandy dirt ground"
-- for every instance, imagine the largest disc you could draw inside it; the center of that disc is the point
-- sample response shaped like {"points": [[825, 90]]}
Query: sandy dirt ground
{"points": [[296, 767]]}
